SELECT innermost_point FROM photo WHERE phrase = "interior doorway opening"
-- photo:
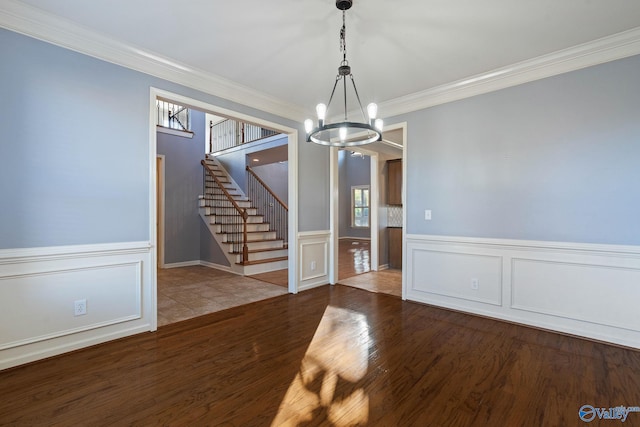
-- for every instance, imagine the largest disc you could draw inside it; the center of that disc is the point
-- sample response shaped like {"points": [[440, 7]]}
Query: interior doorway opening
{"points": [[159, 189], [380, 278]]}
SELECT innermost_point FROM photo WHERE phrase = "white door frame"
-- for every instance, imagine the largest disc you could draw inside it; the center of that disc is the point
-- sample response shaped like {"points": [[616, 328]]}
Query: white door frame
{"points": [[292, 135], [160, 210], [334, 212], [334, 220]]}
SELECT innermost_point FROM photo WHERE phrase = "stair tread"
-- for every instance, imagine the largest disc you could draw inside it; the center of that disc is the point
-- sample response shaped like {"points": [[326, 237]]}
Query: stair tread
{"points": [[236, 215], [257, 251], [263, 261], [248, 232], [254, 241]]}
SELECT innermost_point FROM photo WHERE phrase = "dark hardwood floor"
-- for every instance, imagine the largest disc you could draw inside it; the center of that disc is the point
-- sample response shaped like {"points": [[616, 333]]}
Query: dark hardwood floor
{"points": [[353, 260], [354, 257], [334, 356]]}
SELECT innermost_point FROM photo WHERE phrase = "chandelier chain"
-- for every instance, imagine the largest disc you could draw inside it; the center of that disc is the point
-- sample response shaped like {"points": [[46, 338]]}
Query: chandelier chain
{"points": [[343, 38], [346, 133]]}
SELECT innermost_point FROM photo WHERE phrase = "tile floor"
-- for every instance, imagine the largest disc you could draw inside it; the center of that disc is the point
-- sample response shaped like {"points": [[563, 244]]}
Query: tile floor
{"points": [[188, 292], [383, 281]]}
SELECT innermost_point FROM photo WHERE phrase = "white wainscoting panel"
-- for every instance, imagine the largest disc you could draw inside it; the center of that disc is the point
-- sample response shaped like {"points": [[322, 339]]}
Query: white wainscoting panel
{"points": [[587, 290], [451, 274], [38, 288], [601, 294], [313, 254]]}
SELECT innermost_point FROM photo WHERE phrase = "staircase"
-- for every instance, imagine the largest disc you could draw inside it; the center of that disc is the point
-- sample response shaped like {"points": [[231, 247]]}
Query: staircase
{"points": [[223, 208]]}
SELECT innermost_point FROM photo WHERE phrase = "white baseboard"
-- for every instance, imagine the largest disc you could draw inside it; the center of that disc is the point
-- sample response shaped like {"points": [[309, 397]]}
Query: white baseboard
{"points": [[182, 264], [587, 290], [310, 284], [220, 267]]}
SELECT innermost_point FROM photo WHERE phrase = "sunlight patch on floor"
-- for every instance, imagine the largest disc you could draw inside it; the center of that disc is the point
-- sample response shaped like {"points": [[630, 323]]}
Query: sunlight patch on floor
{"points": [[328, 382]]}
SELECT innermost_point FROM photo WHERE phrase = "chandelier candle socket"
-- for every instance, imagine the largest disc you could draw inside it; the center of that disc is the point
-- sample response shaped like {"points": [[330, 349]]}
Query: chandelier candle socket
{"points": [[345, 133]]}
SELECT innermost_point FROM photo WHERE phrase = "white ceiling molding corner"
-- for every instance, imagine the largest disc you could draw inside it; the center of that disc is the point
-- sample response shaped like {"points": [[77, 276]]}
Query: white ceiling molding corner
{"points": [[33, 22], [617, 46], [25, 19]]}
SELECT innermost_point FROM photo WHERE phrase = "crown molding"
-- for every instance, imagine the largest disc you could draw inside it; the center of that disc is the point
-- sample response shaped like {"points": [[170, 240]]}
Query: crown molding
{"points": [[33, 22], [36, 23], [610, 48]]}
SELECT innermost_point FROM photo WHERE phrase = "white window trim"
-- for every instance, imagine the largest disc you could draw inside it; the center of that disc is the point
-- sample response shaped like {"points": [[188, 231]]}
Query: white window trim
{"points": [[353, 222]]}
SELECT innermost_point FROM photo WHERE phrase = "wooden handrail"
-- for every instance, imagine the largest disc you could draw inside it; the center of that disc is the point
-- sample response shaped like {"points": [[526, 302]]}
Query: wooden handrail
{"points": [[266, 187]]}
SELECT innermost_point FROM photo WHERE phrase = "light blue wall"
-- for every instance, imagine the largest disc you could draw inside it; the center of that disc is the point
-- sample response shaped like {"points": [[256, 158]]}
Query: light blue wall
{"points": [[352, 171], [74, 164], [235, 161], [557, 160], [187, 238], [313, 185], [210, 251], [275, 175], [183, 185], [74, 156]]}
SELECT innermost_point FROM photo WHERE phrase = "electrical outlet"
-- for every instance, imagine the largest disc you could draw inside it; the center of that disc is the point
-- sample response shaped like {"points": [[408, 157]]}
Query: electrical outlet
{"points": [[475, 283], [80, 307], [427, 215], [313, 266]]}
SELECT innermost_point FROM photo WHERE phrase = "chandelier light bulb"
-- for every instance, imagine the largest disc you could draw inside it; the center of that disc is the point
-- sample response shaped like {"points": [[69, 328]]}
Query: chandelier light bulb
{"points": [[345, 133], [379, 124], [308, 125], [321, 110], [372, 110]]}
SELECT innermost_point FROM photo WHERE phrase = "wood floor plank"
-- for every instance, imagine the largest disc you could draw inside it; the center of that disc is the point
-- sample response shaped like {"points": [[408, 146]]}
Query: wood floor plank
{"points": [[328, 356]]}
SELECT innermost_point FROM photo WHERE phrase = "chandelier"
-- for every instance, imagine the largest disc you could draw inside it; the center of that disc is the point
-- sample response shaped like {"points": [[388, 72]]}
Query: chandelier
{"points": [[345, 133]]}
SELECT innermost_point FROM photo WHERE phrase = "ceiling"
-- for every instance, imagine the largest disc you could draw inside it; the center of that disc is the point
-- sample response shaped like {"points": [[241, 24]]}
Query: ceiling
{"points": [[289, 49]]}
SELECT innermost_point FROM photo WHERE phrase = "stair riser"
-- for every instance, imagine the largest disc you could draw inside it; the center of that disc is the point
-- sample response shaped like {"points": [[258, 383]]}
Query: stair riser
{"points": [[222, 228], [225, 203], [269, 244], [214, 220], [229, 211], [258, 256], [226, 184], [217, 193], [217, 203], [263, 268], [252, 237]]}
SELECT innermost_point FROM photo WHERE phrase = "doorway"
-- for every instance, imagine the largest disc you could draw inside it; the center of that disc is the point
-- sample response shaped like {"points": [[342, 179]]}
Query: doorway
{"points": [[355, 222], [158, 185], [392, 147]]}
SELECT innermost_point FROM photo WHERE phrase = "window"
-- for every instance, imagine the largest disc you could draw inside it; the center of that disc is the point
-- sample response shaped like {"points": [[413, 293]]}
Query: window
{"points": [[360, 206]]}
